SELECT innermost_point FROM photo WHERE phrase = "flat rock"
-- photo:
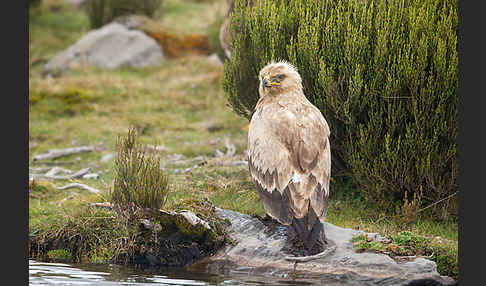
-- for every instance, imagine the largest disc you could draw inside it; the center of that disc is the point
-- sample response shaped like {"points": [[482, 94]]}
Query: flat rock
{"points": [[259, 251], [110, 46]]}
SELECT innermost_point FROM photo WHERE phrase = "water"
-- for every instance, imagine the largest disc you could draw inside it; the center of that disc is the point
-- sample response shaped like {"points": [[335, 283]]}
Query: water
{"points": [[43, 273]]}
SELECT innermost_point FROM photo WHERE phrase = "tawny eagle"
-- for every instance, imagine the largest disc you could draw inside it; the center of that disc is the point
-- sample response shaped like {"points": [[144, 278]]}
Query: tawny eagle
{"points": [[289, 156]]}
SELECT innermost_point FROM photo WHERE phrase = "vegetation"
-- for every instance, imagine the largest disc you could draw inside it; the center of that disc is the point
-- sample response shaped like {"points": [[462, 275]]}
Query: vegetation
{"points": [[406, 244], [104, 11], [181, 106], [139, 180], [34, 4], [383, 74]]}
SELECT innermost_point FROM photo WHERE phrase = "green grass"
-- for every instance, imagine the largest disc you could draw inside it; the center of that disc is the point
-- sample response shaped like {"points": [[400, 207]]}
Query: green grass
{"points": [[179, 105], [406, 243]]}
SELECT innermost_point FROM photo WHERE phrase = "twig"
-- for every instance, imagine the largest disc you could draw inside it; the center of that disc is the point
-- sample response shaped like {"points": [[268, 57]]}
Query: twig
{"points": [[80, 186], [56, 153], [105, 205], [78, 174], [41, 169], [65, 199], [183, 162], [56, 170], [422, 209], [48, 163], [326, 252]]}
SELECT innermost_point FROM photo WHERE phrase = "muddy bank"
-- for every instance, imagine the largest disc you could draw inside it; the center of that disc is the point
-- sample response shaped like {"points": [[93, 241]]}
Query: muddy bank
{"points": [[260, 250]]}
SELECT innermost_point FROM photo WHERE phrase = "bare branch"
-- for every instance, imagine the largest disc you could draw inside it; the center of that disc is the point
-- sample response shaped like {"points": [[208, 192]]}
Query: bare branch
{"points": [[56, 153], [80, 186], [56, 170], [78, 174]]}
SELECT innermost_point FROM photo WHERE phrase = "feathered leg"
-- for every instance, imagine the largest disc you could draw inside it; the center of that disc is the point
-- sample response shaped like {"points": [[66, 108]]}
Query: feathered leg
{"points": [[311, 240]]}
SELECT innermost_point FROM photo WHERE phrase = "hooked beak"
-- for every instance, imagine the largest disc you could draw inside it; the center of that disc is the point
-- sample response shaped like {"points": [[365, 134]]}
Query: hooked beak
{"points": [[267, 83]]}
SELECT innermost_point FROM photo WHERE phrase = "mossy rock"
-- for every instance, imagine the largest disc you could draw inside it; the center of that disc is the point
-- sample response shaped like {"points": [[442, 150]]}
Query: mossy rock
{"points": [[190, 231], [407, 244]]}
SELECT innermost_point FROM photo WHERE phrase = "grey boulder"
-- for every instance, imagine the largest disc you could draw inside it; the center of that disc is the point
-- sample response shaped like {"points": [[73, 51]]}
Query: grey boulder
{"points": [[110, 46], [259, 251]]}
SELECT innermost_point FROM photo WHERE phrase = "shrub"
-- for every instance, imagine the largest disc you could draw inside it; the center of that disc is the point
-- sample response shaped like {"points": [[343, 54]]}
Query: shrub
{"points": [[60, 255], [34, 4], [101, 12], [213, 38], [139, 181], [383, 74]]}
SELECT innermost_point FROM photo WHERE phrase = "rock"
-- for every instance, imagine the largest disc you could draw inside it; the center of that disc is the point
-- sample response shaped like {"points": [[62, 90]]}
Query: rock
{"points": [[259, 250], [178, 238], [76, 3], [111, 46]]}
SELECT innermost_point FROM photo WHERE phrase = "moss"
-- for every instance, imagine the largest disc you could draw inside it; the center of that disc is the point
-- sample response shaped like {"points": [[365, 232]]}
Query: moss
{"points": [[206, 211], [406, 243], [69, 101], [41, 189]]}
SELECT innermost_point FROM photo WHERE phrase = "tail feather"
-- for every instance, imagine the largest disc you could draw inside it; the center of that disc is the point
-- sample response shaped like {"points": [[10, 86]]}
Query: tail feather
{"points": [[307, 233]]}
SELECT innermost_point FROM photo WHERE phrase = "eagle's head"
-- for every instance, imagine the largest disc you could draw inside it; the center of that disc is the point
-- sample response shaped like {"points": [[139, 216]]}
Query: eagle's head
{"points": [[279, 77]]}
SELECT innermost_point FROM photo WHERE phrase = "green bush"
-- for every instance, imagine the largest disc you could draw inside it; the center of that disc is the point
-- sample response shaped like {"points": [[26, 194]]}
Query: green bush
{"points": [[213, 38], [60, 255], [34, 3], [101, 12], [384, 75], [139, 180]]}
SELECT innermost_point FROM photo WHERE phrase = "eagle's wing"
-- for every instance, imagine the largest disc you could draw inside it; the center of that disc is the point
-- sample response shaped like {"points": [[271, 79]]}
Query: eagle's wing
{"points": [[289, 159]]}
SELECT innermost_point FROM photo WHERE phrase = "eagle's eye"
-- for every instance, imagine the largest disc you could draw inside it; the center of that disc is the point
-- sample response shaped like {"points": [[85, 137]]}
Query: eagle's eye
{"points": [[278, 78]]}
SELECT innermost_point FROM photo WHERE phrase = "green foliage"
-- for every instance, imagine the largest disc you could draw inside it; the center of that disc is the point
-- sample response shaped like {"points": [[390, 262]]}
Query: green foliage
{"points": [[67, 102], [60, 255], [104, 11], [34, 4], [361, 243], [213, 38], [406, 243], [383, 74], [72, 238], [139, 180]]}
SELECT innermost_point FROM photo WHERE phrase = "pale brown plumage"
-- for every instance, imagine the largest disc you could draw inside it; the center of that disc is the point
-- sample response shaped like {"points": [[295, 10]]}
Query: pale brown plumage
{"points": [[289, 155]]}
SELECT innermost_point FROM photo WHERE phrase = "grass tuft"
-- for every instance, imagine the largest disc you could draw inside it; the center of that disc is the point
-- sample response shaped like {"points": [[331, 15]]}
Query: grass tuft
{"points": [[408, 244], [139, 180]]}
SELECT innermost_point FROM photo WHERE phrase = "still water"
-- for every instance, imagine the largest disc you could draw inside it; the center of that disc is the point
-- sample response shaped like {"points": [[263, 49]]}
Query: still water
{"points": [[43, 273]]}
